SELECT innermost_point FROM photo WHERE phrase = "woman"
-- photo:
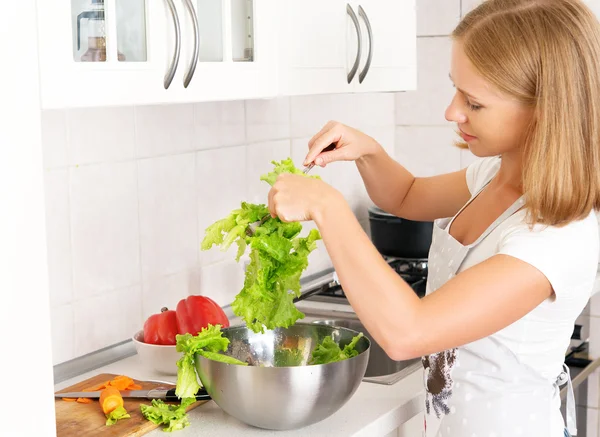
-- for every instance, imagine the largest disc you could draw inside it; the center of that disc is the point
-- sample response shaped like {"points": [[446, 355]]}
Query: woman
{"points": [[515, 245]]}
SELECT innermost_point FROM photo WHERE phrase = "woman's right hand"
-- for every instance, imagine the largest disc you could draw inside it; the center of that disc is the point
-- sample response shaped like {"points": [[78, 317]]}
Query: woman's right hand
{"points": [[351, 145]]}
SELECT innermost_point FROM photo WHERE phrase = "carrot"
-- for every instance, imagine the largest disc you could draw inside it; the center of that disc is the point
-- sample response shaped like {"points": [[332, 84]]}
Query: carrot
{"points": [[69, 399], [97, 387], [121, 382], [134, 387], [84, 400], [110, 399]]}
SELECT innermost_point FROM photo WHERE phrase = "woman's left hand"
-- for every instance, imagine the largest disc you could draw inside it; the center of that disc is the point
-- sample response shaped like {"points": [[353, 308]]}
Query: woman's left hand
{"points": [[295, 198]]}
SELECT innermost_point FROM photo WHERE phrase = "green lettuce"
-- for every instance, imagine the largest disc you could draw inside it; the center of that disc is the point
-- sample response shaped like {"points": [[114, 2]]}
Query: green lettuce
{"points": [[207, 343], [278, 256], [115, 415], [173, 416], [328, 351]]}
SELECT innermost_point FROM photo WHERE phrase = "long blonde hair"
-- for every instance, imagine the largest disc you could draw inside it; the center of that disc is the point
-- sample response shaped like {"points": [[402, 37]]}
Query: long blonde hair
{"points": [[546, 54]]}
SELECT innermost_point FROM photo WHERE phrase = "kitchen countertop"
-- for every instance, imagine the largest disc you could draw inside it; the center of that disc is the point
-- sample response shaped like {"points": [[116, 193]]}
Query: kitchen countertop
{"points": [[373, 410]]}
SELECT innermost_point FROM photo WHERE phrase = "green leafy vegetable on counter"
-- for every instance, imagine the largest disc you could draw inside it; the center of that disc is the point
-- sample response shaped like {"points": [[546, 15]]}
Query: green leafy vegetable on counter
{"points": [[207, 343], [173, 416], [328, 351], [115, 415], [278, 256]]}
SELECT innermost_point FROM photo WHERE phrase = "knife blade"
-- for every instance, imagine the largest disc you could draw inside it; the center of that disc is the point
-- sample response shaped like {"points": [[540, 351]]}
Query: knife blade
{"points": [[155, 393]]}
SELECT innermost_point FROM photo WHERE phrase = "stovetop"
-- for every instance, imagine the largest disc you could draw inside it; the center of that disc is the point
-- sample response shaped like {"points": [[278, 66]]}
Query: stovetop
{"points": [[413, 271]]}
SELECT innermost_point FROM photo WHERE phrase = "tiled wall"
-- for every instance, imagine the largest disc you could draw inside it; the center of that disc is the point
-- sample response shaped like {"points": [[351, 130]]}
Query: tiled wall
{"points": [[131, 190]]}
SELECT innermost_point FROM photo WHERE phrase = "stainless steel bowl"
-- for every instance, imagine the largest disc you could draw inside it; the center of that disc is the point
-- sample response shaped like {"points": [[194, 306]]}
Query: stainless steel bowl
{"points": [[279, 390]]}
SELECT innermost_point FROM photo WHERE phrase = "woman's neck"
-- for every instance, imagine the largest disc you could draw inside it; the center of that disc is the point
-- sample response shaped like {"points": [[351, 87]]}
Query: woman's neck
{"points": [[510, 173]]}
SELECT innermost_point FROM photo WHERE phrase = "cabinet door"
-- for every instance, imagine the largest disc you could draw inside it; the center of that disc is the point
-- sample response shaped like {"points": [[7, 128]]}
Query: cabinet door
{"points": [[98, 52], [313, 53], [236, 50], [389, 54]]}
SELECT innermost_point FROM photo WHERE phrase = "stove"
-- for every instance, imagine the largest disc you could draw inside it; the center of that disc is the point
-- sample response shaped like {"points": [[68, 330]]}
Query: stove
{"points": [[412, 270]]}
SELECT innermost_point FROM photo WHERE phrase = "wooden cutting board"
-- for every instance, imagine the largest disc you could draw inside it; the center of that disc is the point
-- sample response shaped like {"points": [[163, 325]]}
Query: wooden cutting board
{"points": [[74, 419]]}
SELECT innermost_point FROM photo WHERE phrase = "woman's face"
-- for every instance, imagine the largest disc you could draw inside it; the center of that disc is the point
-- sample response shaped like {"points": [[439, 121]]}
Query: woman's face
{"points": [[490, 122]]}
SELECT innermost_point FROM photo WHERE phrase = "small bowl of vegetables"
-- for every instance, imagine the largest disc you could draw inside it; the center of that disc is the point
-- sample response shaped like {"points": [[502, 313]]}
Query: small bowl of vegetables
{"points": [[156, 343], [285, 378]]}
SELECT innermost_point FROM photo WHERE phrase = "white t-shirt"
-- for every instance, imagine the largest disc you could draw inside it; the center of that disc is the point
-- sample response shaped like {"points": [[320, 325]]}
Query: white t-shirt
{"points": [[567, 256]]}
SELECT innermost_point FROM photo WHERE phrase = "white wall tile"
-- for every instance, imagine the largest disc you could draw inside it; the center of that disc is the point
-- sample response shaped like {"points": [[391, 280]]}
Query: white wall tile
{"points": [[427, 105], [258, 162], [594, 350], [164, 129], [468, 5], [62, 329], [219, 124], [595, 305], [168, 222], [220, 188], [58, 234], [310, 113], [167, 291], [104, 226], [346, 179], [415, 147], [100, 134], [267, 120], [591, 429], [54, 138], [222, 281], [593, 395], [107, 319], [437, 17]]}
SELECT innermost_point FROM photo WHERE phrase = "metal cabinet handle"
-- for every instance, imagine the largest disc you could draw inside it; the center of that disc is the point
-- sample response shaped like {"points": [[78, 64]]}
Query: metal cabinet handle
{"points": [[363, 73], [192, 68], [354, 18], [175, 61]]}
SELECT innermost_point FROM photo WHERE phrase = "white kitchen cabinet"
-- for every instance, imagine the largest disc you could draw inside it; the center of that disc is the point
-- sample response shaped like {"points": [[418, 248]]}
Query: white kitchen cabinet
{"points": [[340, 46], [133, 52], [392, 43]]}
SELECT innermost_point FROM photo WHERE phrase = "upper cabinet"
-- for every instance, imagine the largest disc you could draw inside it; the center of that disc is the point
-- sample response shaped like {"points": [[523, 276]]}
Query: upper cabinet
{"points": [[133, 52], [338, 46], [136, 52]]}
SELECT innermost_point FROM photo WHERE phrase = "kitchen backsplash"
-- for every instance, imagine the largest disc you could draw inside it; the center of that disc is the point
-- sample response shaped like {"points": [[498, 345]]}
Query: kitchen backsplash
{"points": [[130, 190]]}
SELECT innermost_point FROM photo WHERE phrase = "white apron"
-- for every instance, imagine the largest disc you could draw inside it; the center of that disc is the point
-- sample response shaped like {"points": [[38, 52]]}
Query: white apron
{"points": [[482, 389]]}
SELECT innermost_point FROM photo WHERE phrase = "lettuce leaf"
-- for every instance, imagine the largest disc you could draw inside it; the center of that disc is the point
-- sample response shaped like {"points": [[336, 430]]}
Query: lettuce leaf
{"points": [[278, 256], [208, 343], [328, 351], [115, 415], [174, 416]]}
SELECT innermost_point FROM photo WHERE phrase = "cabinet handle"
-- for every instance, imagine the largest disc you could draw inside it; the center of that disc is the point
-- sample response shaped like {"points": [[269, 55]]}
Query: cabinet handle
{"points": [[354, 18], [363, 73], [175, 61], [190, 73]]}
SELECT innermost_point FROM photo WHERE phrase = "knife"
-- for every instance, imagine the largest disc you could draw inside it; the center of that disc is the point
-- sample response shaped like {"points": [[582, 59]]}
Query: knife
{"points": [[155, 393]]}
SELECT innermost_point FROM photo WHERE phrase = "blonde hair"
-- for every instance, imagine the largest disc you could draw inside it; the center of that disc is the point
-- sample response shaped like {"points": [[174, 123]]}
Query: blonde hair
{"points": [[546, 54]]}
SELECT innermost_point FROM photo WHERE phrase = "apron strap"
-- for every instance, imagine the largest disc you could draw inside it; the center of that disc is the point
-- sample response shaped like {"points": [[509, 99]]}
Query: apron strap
{"points": [[571, 409]]}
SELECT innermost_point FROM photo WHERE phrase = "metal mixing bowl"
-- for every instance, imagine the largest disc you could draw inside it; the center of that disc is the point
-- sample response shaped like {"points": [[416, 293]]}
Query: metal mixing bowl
{"points": [[279, 390]]}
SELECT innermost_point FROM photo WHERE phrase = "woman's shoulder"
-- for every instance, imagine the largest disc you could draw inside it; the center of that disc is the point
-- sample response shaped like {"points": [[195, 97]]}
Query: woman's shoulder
{"points": [[563, 253], [481, 171]]}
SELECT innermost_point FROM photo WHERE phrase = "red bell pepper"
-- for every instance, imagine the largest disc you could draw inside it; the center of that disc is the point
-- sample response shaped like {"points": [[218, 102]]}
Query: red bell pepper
{"points": [[161, 328], [196, 312]]}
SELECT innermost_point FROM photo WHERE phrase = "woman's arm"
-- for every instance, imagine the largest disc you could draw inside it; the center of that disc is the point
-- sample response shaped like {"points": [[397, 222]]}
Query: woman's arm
{"points": [[474, 304], [395, 190]]}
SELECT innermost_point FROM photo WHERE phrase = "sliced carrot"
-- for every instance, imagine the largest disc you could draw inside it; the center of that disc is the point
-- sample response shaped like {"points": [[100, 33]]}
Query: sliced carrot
{"points": [[84, 400], [134, 387], [121, 382], [69, 399], [110, 398], [97, 387]]}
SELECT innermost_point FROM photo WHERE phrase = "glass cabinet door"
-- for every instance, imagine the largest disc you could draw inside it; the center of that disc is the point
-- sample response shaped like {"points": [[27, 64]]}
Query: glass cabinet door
{"points": [[242, 30], [210, 30], [89, 19]]}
